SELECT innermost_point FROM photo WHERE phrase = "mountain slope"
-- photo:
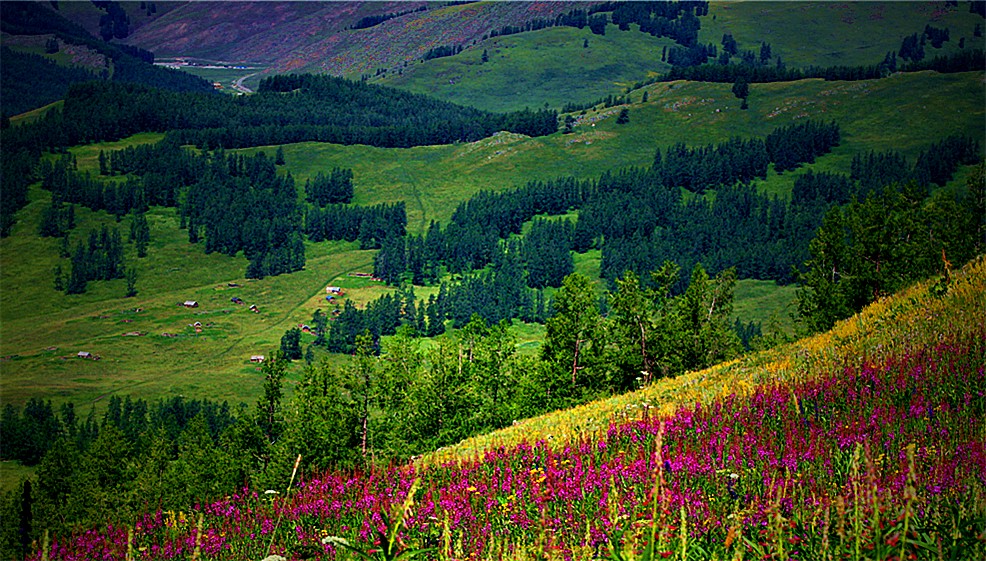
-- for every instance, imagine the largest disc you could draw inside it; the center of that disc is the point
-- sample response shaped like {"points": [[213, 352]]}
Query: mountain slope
{"points": [[316, 37], [865, 438]]}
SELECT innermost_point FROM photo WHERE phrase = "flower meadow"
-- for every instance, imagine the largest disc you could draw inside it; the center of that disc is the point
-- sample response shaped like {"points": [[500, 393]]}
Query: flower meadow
{"points": [[880, 455]]}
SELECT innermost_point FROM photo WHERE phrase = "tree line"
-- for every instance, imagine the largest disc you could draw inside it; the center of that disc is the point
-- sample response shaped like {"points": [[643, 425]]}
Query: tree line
{"points": [[676, 20], [470, 240], [968, 60], [761, 236], [286, 109]]}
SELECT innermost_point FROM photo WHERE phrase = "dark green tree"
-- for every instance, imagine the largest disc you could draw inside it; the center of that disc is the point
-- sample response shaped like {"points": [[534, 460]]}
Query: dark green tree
{"points": [[291, 344], [706, 309], [741, 88], [646, 328], [362, 380], [140, 232], [78, 276], [131, 282]]}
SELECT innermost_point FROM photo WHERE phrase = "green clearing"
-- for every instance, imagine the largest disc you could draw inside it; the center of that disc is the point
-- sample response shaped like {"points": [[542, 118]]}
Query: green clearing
{"points": [[547, 67], [12, 474], [41, 330], [767, 303], [550, 66], [836, 33], [34, 114]]}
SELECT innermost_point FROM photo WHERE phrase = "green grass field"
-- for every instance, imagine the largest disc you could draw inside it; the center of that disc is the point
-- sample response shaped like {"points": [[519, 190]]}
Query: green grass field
{"points": [[41, 329], [549, 66], [836, 33], [537, 68], [12, 474]]}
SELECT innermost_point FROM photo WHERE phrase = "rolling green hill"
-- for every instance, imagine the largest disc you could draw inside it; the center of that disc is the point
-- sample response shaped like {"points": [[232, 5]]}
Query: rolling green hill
{"points": [[43, 329], [836, 34], [552, 66]]}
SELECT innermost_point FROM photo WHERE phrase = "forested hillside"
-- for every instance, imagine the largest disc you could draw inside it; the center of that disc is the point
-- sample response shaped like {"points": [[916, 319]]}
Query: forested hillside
{"points": [[34, 77]]}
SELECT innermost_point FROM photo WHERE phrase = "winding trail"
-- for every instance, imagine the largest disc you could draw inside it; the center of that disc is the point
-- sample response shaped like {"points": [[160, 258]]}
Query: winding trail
{"points": [[238, 83]]}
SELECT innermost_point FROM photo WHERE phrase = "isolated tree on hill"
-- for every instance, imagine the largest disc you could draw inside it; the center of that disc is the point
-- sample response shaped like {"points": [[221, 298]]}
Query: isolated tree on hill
{"points": [[131, 282], [729, 44], [291, 344], [140, 232], [624, 117], [569, 125], [741, 88]]}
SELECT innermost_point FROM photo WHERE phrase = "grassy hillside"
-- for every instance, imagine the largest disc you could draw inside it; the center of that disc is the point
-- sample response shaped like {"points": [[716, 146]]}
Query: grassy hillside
{"points": [[912, 319], [550, 66], [866, 438], [833, 33], [533, 68], [904, 112]]}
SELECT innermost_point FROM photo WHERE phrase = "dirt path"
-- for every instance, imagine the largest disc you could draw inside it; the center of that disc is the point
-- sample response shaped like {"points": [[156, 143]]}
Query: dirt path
{"points": [[415, 192]]}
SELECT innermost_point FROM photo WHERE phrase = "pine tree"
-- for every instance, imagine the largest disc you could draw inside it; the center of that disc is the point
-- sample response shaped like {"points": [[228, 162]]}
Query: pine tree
{"points": [[140, 233], [291, 344], [131, 282], [79, 274], [624, 117]]}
